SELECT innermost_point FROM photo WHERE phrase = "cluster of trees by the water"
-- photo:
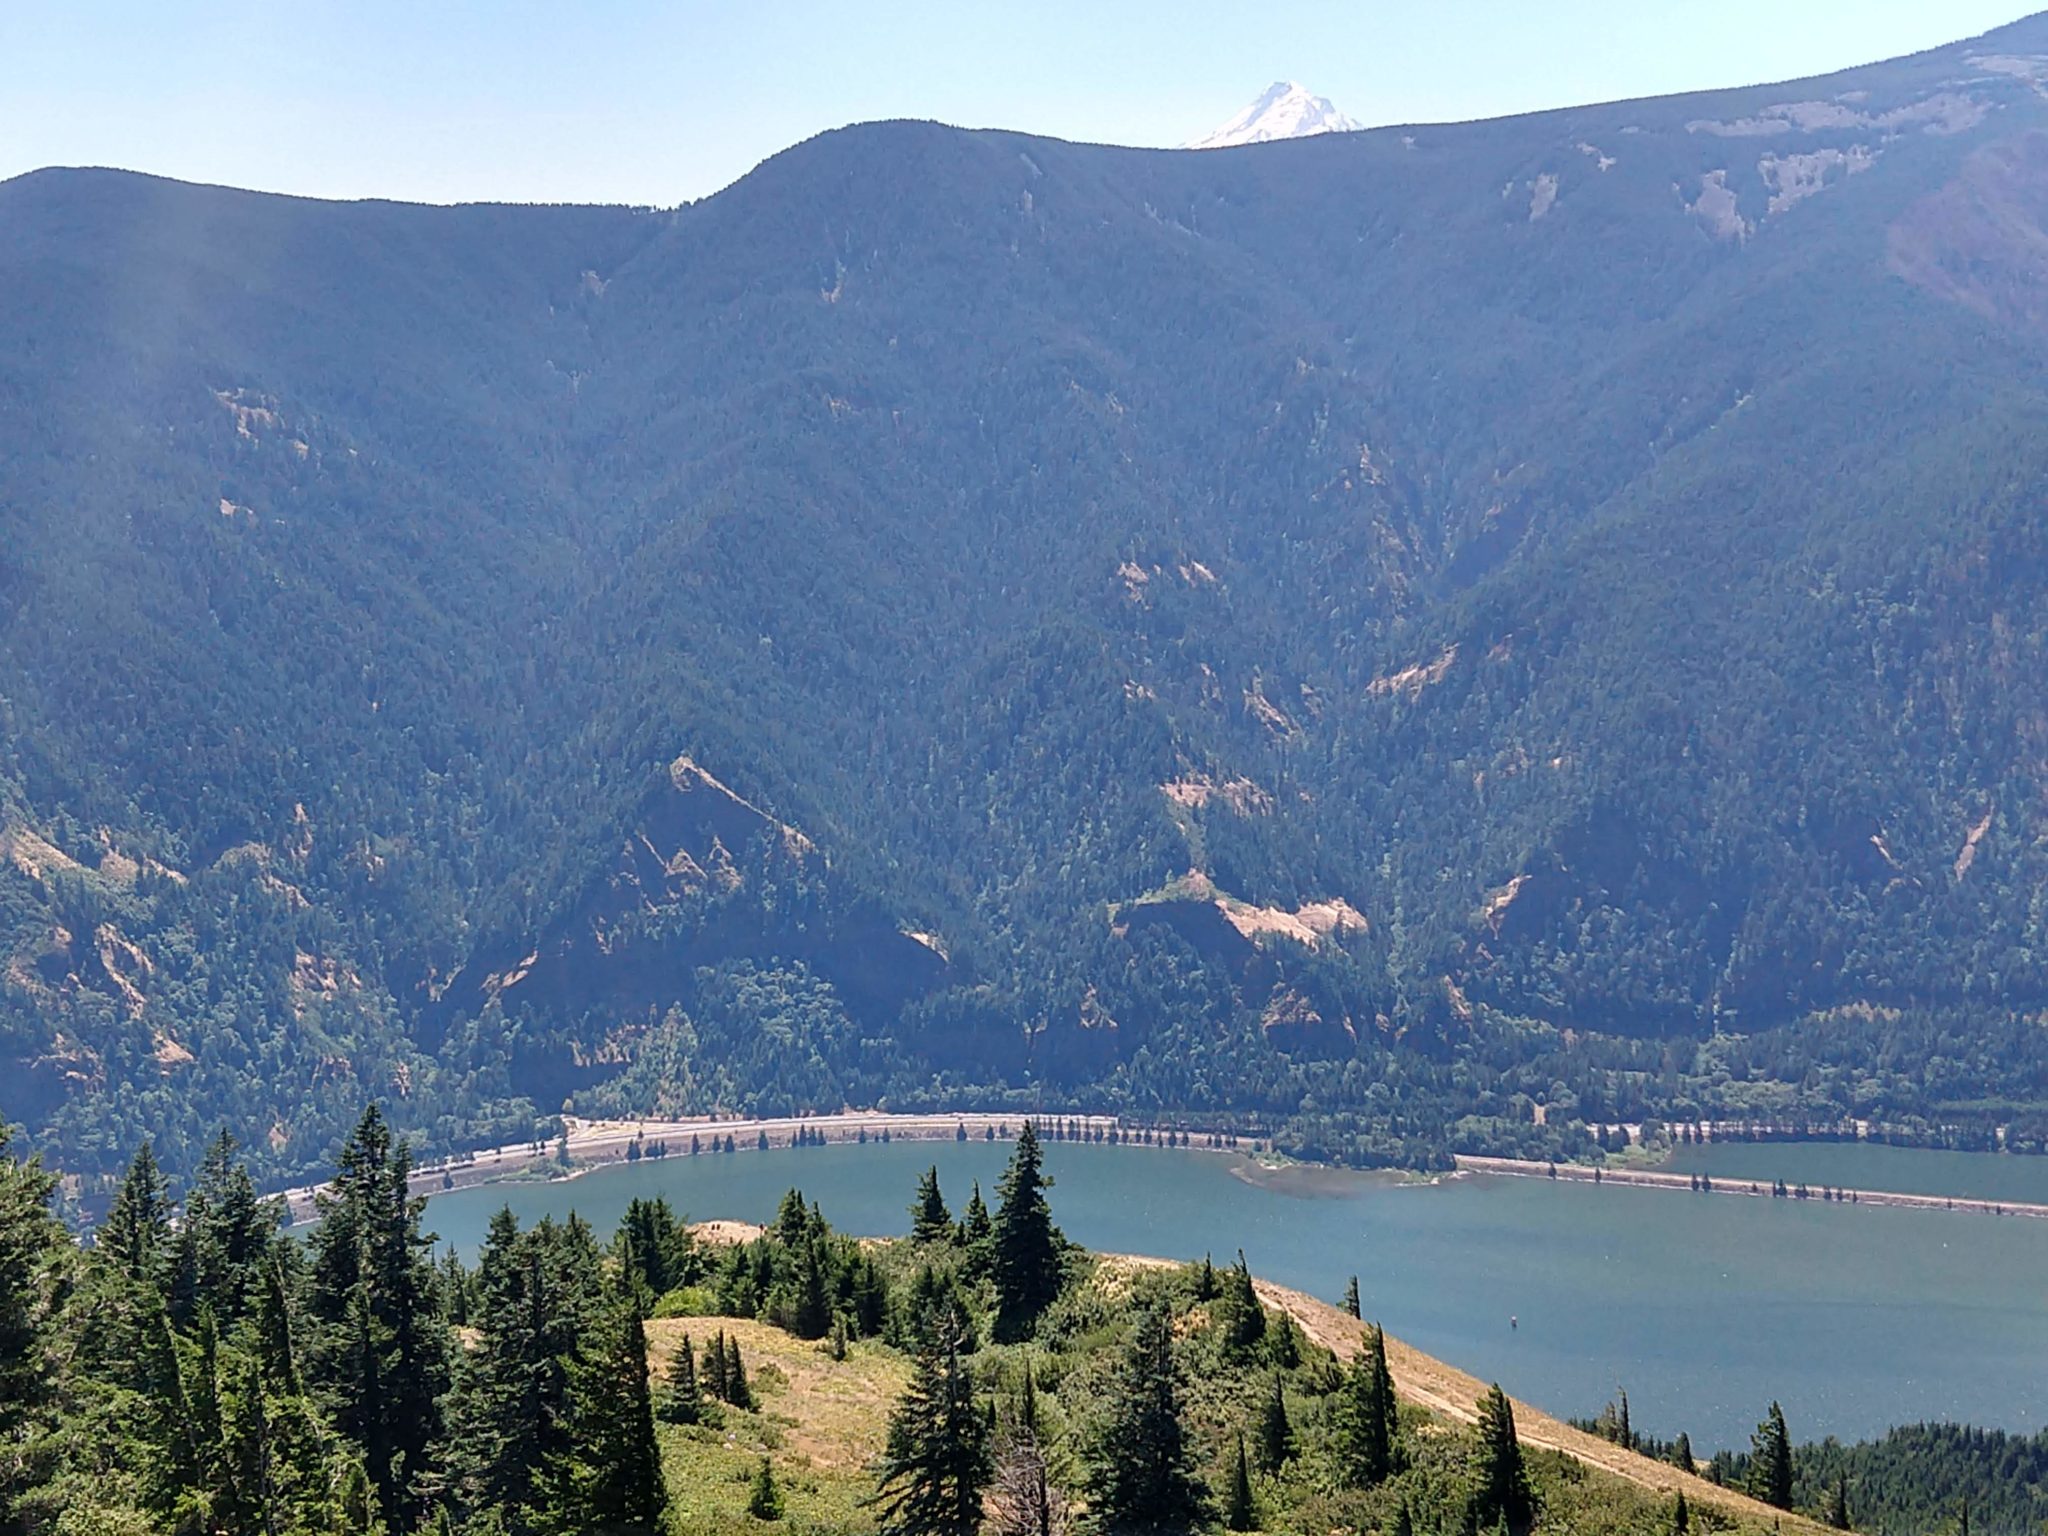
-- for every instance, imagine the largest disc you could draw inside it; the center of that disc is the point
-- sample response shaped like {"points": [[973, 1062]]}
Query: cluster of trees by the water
{"points": [[194, 1369]]}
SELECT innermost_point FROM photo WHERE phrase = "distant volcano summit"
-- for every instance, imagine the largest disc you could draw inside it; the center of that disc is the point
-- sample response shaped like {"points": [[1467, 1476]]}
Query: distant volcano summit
{"points": [[1285, 111]]}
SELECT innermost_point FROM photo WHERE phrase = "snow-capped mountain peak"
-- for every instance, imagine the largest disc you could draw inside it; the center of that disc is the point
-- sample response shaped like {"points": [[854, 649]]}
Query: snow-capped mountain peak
{"points": [[1285, 111]]}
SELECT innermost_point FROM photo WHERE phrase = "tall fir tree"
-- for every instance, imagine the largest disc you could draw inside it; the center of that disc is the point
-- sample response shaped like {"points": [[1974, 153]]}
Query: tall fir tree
{"points": [[380, 1342], [1141, 1478], [764, 1498], [31, 1249], [1028, 1260], [930, 1221], [612, 1480], [1770, 1464], [977, 1236], [1238, 1514], [1837, 1511], [1368, 1451], [737, 1392], [136, 1236], [511, 1406], [936, 1462], [711, 1373], [1500, 1482], [1275, 1437], [1239, 1313], [681, 1400], [231, 1228], [1351, 1297]]}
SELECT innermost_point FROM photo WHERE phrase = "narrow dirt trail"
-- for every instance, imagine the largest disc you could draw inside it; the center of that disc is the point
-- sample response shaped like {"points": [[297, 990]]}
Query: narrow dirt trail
{"points": [[1449, 1391]]}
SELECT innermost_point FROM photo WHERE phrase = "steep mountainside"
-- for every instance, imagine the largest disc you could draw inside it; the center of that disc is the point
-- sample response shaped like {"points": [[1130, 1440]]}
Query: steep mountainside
{"points": [[1377, 631]]}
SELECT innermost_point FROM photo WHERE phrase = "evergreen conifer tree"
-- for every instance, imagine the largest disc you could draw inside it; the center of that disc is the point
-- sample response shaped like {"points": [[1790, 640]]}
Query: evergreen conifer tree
{"points": [[611, 1482], [136, 1236], [1275, 1438], [1027, 1253], [380, 1341], [1837, 1513], [1681, 1453], [1238, 1310], [1237, 1507], [1770, 1466], [1140, 1478], [1681, 1516], [682, 1400], [930, 1221], [737, 1392], [712, 1372], [1500, 1483], [1368, 1417], [936, 1462], [977, 1236], [1351, 1297], [764, 1499], [30, 1247]]}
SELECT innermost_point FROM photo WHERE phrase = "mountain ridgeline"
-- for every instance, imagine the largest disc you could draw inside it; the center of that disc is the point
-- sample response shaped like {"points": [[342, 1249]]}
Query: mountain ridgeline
{"points": [[1377, 633]]}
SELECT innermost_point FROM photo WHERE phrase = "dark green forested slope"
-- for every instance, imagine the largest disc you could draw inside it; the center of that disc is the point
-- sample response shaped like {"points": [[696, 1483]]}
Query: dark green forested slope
{"points": [[1569, 589]]}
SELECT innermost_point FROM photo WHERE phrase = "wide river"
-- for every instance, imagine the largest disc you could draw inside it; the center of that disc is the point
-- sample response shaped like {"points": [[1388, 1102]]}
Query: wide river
{"points": [[1706, 1308]]}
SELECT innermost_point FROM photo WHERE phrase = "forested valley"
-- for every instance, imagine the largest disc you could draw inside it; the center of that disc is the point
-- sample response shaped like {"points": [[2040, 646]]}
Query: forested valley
{"points": [[1417, 641]]}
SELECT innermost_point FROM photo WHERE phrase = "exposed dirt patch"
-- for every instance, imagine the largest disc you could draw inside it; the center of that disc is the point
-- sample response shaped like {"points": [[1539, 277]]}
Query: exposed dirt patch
{"points": [[1794, 178], [1412, 680], [1239, 794], [1968, 856], [1307, 925]]}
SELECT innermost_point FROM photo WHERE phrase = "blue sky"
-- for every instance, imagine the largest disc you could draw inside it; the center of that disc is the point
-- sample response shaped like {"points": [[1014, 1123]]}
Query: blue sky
{"points": [[606, 100]]}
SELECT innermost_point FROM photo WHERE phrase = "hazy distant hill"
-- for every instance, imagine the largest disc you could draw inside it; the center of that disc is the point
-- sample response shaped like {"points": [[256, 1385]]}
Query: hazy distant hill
{"points": [[1379, 629]]}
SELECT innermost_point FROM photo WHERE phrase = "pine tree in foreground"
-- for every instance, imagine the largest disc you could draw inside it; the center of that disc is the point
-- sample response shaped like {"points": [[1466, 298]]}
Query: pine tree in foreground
{"points": [[1027, 1261], [1239, 1313], [1681, 1453], [1681, 1516], [613, 1481], [1275, 1438], [930, 1221], [682, 1400], [764, 1500], [936, 1461], [1141, 1477], [1368, 1417], [1500, 1483], [379, 1341], [1837, 1513], [737, 1392], [1770, 1467], [1237, 1508]]}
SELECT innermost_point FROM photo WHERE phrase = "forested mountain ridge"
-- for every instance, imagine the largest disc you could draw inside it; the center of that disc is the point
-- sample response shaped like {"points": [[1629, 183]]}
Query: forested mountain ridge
{"points": [[1371, 631]]}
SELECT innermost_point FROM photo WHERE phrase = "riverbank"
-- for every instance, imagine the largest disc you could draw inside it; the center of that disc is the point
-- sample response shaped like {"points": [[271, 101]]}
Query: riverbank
{"points": [[587, 1145], [1755, 1189]]}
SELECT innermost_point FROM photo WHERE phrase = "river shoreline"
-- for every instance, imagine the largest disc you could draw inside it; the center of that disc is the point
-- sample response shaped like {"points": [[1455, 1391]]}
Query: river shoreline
{"points": [[1750, 1189], [594, 1144]]}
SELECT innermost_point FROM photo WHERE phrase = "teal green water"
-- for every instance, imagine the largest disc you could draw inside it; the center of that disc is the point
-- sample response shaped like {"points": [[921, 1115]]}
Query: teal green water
{"points": [[1866, 1165], [1704, 1308]]}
